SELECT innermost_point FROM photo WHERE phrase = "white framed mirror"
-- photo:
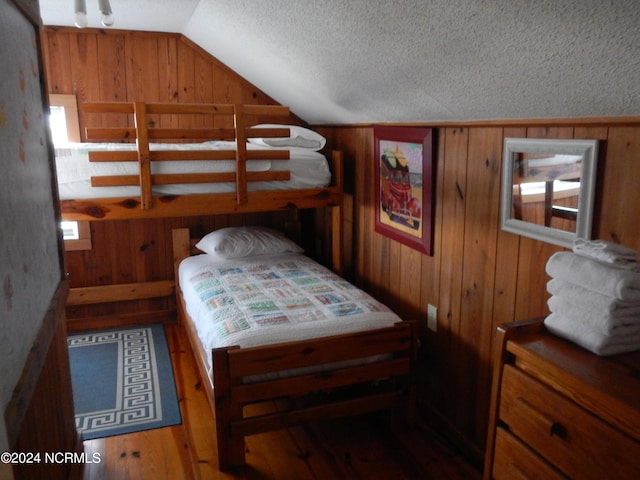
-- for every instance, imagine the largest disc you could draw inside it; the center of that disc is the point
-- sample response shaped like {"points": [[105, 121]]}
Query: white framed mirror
{"points": [[548, 188]]}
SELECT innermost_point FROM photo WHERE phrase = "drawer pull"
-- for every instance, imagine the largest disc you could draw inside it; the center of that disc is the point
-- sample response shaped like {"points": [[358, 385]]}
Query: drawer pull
{"points": [[554, 428]]}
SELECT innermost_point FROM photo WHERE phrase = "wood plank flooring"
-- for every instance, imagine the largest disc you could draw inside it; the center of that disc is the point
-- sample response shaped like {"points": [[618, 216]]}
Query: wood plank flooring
{"points": [[357, 448]]}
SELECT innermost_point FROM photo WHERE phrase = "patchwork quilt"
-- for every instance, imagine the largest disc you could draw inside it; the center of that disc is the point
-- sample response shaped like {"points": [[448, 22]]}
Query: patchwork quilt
{"points": [[270, 299]]}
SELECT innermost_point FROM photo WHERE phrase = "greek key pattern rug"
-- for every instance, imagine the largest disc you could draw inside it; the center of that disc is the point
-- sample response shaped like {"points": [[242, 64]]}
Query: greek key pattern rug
{"points": [[122, 381]]}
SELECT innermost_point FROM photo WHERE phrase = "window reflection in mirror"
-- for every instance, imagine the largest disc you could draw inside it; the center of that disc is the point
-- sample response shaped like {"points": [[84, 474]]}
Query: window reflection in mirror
{"points": [[547, 190]]}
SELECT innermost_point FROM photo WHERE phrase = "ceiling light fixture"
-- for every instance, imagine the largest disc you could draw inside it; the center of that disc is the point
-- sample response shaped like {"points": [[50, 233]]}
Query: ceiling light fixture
{"points": [[81, 20], [107, 14]]}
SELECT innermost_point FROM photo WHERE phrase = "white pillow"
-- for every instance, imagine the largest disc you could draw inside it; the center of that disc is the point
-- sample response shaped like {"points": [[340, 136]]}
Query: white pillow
{"points": [[300, 137], [233, 242]]}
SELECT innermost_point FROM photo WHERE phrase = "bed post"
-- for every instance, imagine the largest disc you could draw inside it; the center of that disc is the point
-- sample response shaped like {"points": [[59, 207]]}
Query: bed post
{"points": [[337, 225], [230, 448], [181, 249]]}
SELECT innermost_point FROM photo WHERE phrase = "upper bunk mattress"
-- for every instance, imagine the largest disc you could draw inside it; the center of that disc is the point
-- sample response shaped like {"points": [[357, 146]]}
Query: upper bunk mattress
{"points": [[309, 169], [262, 300]]}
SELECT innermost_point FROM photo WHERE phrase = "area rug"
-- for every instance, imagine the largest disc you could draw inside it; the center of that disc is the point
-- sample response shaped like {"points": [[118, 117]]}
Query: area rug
{"points": [[122, 381]]}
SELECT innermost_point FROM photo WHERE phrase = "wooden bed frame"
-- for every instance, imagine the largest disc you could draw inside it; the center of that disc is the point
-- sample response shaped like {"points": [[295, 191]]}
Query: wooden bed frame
{"points": [[143, 124], [229, 396]]}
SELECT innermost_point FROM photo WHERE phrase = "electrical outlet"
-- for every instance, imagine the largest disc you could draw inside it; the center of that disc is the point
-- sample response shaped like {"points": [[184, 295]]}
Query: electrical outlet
{"points": [[432, 318]]}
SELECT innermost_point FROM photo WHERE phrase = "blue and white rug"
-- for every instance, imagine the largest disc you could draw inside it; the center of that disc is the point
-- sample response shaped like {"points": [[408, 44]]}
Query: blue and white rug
{"points": [[122, 381]]}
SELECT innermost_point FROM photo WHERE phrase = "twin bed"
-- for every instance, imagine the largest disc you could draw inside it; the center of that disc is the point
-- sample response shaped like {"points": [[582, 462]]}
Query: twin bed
{"points": [[265, 322], [270, 324]]}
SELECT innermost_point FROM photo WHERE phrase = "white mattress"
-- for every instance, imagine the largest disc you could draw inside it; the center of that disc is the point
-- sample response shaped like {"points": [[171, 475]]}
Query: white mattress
{"points": [[308, 169], [269, 299]]}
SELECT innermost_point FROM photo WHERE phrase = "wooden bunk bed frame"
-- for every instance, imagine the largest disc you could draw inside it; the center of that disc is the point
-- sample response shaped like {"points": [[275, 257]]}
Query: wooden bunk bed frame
{"points": [[147, 118], [228, 395], [144, 124]]}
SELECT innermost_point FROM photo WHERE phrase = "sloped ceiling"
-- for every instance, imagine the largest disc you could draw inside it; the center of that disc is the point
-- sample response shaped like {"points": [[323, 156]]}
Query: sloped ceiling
{"points": [[352, 61]]}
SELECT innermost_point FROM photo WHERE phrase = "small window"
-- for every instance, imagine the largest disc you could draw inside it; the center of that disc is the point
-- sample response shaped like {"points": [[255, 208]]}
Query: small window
{"points": [[76, 235], [70, 231], [64, 125], [63, 118]]}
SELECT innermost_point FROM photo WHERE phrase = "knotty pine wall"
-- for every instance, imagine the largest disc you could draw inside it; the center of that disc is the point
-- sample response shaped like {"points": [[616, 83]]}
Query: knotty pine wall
{"points": [[478, 276]]}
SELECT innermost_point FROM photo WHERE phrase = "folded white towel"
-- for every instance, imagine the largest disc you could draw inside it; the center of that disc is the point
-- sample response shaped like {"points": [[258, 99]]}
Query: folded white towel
{"points": [[598, 303], [604, 251], [606, 324], [581, 334], [596, 276]]}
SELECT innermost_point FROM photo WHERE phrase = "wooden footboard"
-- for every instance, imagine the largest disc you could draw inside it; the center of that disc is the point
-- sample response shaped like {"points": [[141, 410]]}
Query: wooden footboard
{"points": [[372, 370]]}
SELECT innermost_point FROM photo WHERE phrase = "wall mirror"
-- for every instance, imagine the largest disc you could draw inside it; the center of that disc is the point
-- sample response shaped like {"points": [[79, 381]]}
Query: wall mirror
{"points": [[548, 188]]}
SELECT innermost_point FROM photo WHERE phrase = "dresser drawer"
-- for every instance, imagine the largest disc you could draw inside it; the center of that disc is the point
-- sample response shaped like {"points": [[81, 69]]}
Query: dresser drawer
{"points": [[570, 438], [515, 461]]}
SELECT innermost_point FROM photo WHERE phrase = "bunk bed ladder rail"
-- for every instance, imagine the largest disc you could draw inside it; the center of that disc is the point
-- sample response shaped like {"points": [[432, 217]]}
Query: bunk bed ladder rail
{"points": [[144, 131]]}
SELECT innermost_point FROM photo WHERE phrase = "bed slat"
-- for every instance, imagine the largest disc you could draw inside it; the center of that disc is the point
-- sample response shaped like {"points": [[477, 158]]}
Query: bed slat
{"points": [[177, 178], [111, 133], [193, 133], [184, 155]]}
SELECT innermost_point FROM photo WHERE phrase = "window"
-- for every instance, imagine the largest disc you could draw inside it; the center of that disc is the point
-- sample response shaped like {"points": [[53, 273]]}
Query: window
{"points": [[64, 125], [63, 118], [76, 235]]}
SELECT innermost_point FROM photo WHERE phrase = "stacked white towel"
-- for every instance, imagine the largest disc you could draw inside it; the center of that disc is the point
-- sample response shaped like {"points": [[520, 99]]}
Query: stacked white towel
{"points": [[595, 297]]}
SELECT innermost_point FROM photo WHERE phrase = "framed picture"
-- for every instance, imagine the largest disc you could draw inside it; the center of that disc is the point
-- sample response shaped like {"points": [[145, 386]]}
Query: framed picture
{"points": [[404, 190]]}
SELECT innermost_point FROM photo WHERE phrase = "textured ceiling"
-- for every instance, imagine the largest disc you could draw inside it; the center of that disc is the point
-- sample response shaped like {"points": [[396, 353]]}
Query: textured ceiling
{"points": [[349, 61]]}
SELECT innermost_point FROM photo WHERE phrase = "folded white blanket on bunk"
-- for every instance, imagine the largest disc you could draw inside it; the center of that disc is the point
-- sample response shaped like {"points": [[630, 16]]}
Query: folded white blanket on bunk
{"points": [[604, 251], [620, 283], [606, 324], [598, 303], [581, 334]]}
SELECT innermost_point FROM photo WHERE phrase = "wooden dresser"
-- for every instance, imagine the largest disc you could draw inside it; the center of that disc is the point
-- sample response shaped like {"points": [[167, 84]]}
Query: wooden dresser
{"points": [[559, 411]]}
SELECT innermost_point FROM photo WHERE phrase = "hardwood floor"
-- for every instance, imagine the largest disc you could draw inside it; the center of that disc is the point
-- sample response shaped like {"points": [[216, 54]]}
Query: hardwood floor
{"points": [[356, 448]]}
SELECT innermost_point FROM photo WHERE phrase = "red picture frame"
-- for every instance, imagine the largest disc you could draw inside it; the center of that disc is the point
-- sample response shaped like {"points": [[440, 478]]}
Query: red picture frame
{"points": [[404, 189]]}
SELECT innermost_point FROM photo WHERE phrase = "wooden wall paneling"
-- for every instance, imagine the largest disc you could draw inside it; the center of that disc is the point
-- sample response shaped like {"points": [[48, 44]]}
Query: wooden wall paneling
{"points": [[203, 73], [381, 255], [364, 228], [507, 265], [619, 213], [112, 74], [168, 77], [478, 275], [84, 63], [57, 60], [503, 273], [430, 266], [143, 72], [186, 79], [507, 260], [144, 255], [448, 342]]}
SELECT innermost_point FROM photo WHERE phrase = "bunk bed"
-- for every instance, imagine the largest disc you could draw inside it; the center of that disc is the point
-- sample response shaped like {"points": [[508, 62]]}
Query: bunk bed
{"points": [[261, 168], [177, 160], [356, 353]]}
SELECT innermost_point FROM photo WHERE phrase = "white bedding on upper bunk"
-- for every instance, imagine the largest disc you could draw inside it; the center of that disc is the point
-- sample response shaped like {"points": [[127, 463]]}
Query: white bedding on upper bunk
{"points": [[308, 169], [268, 299]]}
